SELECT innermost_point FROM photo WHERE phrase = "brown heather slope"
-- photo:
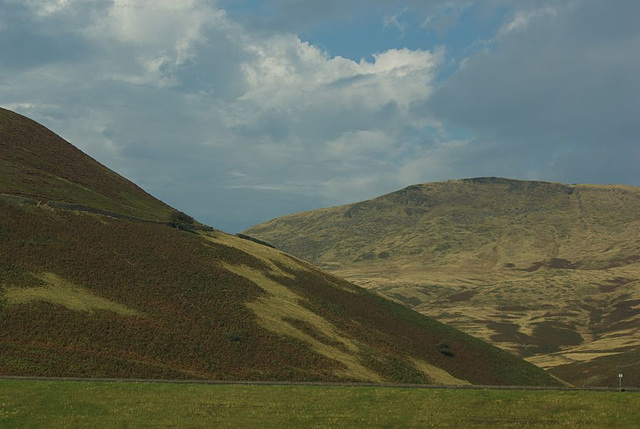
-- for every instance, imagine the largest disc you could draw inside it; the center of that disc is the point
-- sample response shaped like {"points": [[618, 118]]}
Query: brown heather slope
{"points": [[93, 295], [546, 270], [37, 163]]}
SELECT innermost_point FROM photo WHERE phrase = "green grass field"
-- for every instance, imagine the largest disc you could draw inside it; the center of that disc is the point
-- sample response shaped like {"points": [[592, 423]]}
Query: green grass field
{"points": [[62, 404]]}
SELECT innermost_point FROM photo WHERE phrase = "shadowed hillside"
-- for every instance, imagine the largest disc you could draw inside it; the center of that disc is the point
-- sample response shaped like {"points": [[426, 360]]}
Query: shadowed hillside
{"points": [[37, 163], [546, 270], [91, 286]]}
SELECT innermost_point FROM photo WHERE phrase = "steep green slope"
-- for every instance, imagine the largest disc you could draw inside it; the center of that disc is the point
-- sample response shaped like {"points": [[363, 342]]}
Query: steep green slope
{"points": [[37, 163], [549, 271], [88, 294]]}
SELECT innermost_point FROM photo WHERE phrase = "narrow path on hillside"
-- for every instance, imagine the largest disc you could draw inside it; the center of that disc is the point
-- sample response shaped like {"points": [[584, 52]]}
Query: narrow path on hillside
{"points": [[329, 384]]}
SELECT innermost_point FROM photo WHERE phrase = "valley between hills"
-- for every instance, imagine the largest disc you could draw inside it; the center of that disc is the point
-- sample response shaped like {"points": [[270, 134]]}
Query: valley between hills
{"points": [[100, 279], [548, 271]]}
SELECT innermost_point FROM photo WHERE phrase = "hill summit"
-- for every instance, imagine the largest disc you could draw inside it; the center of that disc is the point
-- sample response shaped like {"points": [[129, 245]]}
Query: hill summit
{"points": [[37, 163], [547, 270], [100, 279]]}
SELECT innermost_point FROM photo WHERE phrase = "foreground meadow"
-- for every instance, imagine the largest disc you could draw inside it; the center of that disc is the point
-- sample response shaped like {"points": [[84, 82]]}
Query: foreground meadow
{"points": [[62, 404]]}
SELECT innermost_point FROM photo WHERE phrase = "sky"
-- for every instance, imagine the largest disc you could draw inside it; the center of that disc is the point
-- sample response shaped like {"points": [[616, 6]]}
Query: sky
{"points": [[239, 111]]}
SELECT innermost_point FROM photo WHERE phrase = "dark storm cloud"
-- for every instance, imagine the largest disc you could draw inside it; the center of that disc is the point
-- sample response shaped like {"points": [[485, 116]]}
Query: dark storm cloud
{"points": [[559, 87], [27, 41]]}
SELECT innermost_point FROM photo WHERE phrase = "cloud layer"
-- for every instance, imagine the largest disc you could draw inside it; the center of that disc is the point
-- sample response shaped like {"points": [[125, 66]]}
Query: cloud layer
{"points": [[236, 122], [559, 87]]}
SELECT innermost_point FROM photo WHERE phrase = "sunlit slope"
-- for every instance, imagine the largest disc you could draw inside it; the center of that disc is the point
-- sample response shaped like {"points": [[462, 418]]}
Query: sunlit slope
{"points": [[36, 162], [84, 293], [549, 271]]}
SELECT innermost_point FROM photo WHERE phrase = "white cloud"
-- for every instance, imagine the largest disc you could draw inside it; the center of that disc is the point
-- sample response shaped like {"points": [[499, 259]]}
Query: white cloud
{"points": [[358, 144], [155, 36], [183, 100], [393, 20], [49, 7], [156, 24], [441, 161], [522, 19], [285, 71], [442, 16]]}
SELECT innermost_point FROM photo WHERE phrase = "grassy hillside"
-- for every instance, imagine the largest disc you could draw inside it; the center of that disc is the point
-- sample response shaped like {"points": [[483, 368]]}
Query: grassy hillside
{"points": [[546, 270], [93, 295], [37, 163]]}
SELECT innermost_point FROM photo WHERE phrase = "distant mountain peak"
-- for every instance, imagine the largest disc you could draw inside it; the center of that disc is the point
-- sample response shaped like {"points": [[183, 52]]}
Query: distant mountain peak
{"points": [[540, 268]]}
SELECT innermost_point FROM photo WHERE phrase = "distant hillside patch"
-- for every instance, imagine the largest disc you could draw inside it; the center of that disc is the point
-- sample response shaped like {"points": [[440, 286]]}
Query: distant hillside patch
{"points": [[58, 291]]}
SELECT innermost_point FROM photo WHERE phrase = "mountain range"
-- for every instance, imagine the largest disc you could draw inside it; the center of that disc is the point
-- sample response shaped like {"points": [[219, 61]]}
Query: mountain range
{"points": [[548, 271], [100, 279]]}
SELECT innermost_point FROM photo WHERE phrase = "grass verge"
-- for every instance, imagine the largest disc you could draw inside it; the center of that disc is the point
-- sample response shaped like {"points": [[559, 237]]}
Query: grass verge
{"points": [[62, 404]]}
